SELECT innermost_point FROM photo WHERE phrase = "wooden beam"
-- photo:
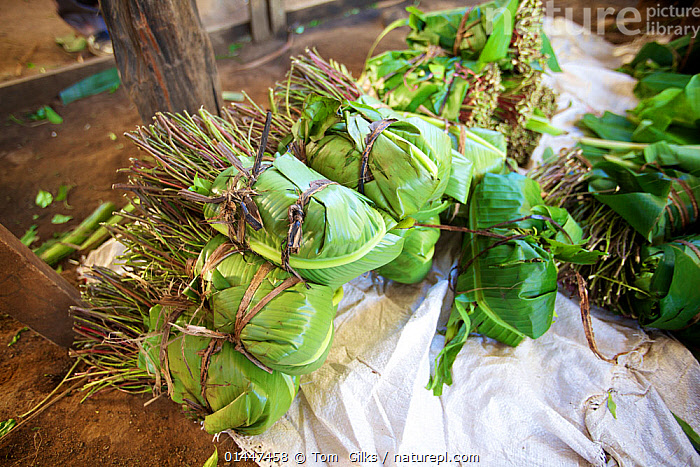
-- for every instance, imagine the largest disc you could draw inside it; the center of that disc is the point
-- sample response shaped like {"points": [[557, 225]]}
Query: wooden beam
{"points": [[32, 92], [164, 56], [33, 293]]}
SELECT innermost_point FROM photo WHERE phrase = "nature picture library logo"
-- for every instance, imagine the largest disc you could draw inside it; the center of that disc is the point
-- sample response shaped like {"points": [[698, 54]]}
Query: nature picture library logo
{"points": [[661, 19]]}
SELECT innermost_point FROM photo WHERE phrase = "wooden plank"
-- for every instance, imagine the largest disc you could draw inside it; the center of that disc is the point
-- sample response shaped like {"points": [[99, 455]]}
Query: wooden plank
{"points": [[34, 91], [259, 22], [164, 56], [33, 293], [278, 17]]}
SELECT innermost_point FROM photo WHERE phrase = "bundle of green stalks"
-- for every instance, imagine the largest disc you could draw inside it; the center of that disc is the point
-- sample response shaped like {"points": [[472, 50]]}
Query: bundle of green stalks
{"points": [[638, 204], [481, 66], [564, 182], [225, 324]]}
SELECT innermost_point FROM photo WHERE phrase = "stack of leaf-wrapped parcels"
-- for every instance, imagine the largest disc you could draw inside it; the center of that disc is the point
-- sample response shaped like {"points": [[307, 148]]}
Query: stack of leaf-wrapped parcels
{"points": [[236, 260], [635, 188], [247, 225]]}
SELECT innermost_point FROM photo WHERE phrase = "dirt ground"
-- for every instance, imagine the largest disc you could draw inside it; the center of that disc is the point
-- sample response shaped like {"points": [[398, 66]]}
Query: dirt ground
{"points": [[86, 151]]}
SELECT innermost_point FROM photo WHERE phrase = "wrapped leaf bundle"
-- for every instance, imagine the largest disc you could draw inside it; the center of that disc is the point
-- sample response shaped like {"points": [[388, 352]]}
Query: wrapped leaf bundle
{"points": [[416, 258], [210, 378], [507, 280], [474, 150], [294, 217], [401, 164], [234, 392], [658, 204], [481, 66], [272, 317]]}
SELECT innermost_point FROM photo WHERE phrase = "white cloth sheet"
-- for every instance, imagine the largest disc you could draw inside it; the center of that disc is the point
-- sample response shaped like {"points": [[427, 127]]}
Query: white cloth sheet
{"points": [[543, 403]]}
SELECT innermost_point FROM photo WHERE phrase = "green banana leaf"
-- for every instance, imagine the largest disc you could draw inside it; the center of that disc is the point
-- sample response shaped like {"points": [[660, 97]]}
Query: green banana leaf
{"points": [[670, 115], [343, 236], [507, 285], [410, 160], [669, 285], [653, 83], [416, 258], [513, 286], [237, 394], [656, 203], [677, 106], [475, 151], [292, 332], [456, 334]]}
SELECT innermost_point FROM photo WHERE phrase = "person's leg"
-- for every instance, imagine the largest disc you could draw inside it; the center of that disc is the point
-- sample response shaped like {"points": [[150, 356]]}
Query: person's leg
{"points": [[84, 16]]}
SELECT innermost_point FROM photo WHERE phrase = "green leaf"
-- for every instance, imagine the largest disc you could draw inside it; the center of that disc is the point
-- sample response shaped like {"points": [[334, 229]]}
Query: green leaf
{"points": [[416, 258], [548, 51], [458, 326], [692, 435], [60, 219], [241, 396], [16, 337], [418, 153], [499, 25], [671, 284], [610, 126], [71, 42], [29, 236], [654, 83], [52, 116], [213, 460], [201, 186], [7, 426], [62, 194], [512, 283], [642, 196], [43, 199], [611, 406], [293, 332]]}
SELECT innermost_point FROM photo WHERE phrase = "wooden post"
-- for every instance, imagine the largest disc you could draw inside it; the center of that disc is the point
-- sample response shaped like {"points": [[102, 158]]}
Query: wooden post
{"points": [[267, 19], [259, 23], [278, 17], [33, 293], [164, 55]]}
